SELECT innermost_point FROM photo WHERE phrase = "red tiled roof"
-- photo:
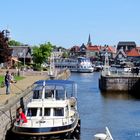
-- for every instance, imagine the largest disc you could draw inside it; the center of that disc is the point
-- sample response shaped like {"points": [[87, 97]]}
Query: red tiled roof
{"points": [[111, 49], [93, 48], [133, 52]]}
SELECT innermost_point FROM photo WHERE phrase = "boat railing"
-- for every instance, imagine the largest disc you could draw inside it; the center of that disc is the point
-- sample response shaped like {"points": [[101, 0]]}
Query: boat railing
{"points": [[34, 100], [119, 73], [57, 121], [50, 99]]}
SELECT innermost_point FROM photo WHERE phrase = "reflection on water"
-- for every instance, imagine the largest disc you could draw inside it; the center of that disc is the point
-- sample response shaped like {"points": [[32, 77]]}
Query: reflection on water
{"points": [[117, 95], [120, 112]]}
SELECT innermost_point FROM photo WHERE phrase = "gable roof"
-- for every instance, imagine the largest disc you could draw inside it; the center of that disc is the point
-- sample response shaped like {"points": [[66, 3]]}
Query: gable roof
{"points": [[94, 48], [111, 49], [21, 51], [133, 53], [126, 43], [121, 52]]}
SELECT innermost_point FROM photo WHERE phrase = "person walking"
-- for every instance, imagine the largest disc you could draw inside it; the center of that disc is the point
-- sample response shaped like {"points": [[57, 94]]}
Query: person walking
{"points": [[7, 82]]}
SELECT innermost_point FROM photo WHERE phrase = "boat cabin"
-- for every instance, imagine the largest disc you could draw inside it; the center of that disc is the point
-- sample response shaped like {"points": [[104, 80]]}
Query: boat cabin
{"points": [[43, 106], [49, 92], [52, 112]]}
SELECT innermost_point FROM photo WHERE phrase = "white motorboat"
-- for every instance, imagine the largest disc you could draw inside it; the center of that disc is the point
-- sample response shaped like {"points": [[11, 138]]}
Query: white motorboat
{"points": [[84, 65], [52, 112], [79, 64]]}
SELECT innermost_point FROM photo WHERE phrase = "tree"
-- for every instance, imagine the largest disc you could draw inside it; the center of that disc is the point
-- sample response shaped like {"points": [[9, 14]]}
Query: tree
{"points": [[41, 53], [14, 43], [5, 51], [65, 55]]}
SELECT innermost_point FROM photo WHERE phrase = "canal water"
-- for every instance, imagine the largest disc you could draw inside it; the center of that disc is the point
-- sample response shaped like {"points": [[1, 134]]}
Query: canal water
{"points": [[118, 111]]}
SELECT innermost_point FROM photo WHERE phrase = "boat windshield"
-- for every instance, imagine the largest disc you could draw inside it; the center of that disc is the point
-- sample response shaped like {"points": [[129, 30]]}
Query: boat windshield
{"points": [[37, 92], [57, 92], [60, 95], [49, 94]]}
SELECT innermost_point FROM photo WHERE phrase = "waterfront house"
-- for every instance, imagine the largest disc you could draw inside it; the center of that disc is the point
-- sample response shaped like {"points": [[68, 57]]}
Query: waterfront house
{"points": [[22, 54], [120, 56], [110, 51], [58, 53], [134, 55], [74, 51], [83, 49], [93, 52], [126, 45]]}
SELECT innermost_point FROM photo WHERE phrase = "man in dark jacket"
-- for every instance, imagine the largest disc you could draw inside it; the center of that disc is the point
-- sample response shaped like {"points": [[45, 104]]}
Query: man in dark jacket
{"points": [[7, 82]]}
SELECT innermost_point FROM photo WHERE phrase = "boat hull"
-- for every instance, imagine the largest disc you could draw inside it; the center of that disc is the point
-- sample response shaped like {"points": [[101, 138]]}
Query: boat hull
{"points": [[85, 70], [67, 131], [45, 130]]}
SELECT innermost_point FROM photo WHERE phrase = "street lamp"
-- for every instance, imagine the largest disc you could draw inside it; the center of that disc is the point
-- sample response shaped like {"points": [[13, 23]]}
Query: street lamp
{"points": [[24, 57], [18, 68]]}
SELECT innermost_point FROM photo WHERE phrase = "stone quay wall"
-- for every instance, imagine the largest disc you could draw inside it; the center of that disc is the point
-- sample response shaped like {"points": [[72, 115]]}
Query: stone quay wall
{"points": [[8, 110], [121, 84]]}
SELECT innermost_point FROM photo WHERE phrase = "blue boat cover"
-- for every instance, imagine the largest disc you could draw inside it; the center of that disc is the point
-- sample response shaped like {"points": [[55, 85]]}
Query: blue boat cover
{"points": [[40, 82]]}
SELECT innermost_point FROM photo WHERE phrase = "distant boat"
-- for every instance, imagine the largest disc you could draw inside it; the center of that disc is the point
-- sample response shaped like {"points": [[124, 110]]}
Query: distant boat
{"points": [[52, 112], [104, 136], [79, 64]]}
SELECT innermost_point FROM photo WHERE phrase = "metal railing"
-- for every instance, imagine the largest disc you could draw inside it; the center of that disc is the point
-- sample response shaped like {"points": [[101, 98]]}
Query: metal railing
{"points": [[44, 121], [119, 74]]}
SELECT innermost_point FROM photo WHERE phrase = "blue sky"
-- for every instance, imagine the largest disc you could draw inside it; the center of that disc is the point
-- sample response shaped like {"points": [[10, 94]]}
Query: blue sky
{"points": [[68, 22]]}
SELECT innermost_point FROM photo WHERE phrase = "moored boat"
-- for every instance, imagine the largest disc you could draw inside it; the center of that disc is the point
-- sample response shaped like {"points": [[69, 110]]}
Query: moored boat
{"points": [[52, 112], [79, 64]]}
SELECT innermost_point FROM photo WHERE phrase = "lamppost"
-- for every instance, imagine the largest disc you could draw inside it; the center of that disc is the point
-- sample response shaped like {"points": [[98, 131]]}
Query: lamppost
{"points": [[20, 55], [24, 58], [18, 71]]}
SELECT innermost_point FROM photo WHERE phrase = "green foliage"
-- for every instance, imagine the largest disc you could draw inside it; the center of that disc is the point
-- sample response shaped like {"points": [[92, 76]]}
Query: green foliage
{"points": [[14, 43], [65, 55], [17, 78], [37, 67], [41, 53]]}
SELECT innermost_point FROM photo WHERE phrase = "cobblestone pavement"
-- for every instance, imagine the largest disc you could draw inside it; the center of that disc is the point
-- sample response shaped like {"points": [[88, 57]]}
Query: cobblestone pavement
{"points": [[20, 86]]}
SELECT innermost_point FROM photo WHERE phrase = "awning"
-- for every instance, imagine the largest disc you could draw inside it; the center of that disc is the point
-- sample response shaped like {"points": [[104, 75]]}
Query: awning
{"points": [[16, 60]]}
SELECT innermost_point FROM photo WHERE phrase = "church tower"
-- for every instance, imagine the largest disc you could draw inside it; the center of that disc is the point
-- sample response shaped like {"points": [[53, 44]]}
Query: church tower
{"points": [[89, 41]]}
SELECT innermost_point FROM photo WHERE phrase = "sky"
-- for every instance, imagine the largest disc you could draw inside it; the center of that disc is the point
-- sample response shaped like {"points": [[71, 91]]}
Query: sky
{"points": [[69, 22]]}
